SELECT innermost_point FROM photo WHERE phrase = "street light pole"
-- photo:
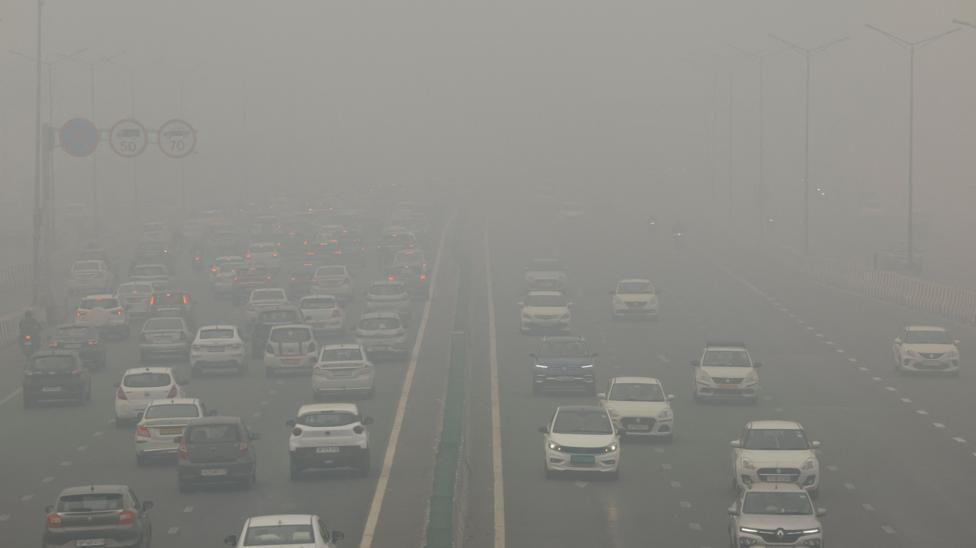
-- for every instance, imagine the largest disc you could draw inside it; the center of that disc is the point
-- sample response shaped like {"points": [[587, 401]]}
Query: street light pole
{"points": [[36, 263], [910, 229], [806, 53]]}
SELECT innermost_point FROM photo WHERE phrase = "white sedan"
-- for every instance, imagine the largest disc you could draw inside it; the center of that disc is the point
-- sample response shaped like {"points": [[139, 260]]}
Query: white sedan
{"points": [[923, 348], [639, 407], [264, 299], [545, 311], [634, 298], [306, 530], [775, 451], [163, 422], [217, 346], [581, 438]]}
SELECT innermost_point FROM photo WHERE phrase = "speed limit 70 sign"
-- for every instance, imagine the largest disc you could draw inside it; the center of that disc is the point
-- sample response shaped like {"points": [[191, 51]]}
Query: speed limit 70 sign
{"points": [[177, 139], [128, 138]]}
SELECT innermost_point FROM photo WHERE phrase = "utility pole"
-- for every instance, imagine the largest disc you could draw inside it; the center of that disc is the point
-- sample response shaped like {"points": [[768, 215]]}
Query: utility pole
{"points": [[807, 53], [910, 229], [38, 221]]}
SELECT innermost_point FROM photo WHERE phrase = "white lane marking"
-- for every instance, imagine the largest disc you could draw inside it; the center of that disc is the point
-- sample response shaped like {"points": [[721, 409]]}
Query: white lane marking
{"points": [[659, 450], [939, 425], [867, 507], [498, 494], [263, 403], [829, 343], [173, 530], [832, 467], [767, 398], [875, 379], [47, 479], [840, 350], [372, 518], [891, 389], [81, 448], [849, 486], [66, 463], [675, 484], [665, 466], [695, 526], [97, 435], [188, 509], [256, 414], [11, 396], [921, 412], [888, 529], [580, 484], [26, 498], [957, 439], [809, 328], [272, 392], [862, 368], [819, 335], [684, 504], [906, 400], [852, 360], [663, 359]]}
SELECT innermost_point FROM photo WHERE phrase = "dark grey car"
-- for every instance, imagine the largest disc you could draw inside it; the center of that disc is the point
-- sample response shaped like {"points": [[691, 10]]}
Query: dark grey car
{"points": [[216, 450], [98, 515]]}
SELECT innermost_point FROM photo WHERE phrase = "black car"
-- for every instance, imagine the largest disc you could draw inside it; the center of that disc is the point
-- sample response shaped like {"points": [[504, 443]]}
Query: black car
{"points": [[286, 315], [55, 375], [82, 339], [98, 515], [564, 363], [216, 450]]}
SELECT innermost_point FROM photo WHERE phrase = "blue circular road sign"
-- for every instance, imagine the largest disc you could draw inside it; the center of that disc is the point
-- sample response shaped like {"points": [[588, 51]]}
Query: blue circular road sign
{"points": [[79, 137]]}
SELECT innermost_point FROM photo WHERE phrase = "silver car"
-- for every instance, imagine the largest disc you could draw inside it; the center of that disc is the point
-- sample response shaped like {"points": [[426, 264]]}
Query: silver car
{"points": [[162, 422], [382, 334], [389, 296], [341, 369], [166, 338]]}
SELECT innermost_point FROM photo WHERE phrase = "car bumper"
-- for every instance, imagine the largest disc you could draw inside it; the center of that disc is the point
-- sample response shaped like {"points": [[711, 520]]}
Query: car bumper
{"points": [[328, 326], [384, 347], [214, 472], [635, 312], [747, 540], [160, 447], [536, 324], [54, 393], [920, 365], [569, 381], [310, 457], [340, 385], [215, 359], [649, 427], [128, 409], [564, 462], [807, 479], [113, 539], [288, 363], [746, 393], [150, 351]]}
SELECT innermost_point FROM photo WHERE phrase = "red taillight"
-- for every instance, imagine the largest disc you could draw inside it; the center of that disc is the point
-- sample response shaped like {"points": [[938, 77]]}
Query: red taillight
{"points": [[120, 394], [27, 337], [172, 392], [92, 342], [152, 300], [274, 253], [127, 517], [423, 277], [118, 311], [182, 452], [53, 344], [186, 299], [142, 432], [76, 372], [267, 278], [197, 258], [243, 448], [54, 521], [78, 313], [247, 255], [237, 279], [213, 269], [391, 278]]}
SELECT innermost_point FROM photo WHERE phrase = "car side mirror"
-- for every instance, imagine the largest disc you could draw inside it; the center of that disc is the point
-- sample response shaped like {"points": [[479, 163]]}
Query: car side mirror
{"points": [[756, 365], [735, 444], [290, 423], [815, 444], [602, 395], [337, 536], [543, 429], [148, 505], [670, 397], [733, 511], [367, 420], [230, 540], [897, 340], [821, 512], [254, 436]]}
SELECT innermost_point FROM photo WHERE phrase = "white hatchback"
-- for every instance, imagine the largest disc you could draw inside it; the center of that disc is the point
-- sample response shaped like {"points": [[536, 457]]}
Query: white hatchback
{"points": [[639, 407], [326, 436], [162, 422], [263, 254], [104, 312], [217, 346], [285, 530], [333, 280], [135, 298], [634, 298], [141, 385], [290, 348], [343, 368]]}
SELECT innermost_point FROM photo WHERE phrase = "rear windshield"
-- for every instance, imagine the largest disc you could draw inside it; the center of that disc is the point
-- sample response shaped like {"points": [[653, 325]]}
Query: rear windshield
{"points": [[170, 299], [280, 316], [163, 324], [277, 535], [89, 304], [216, 334], [147, 380], [341, 355], [268, 295], [545, 300], [86, 265], [213, 433], [291, 335], [373, 324], [262, 248], [172, 411], [386, 289], [90, 502], [328, 418], [412, 259], [318, 302], [634, 287], [53, 363]]}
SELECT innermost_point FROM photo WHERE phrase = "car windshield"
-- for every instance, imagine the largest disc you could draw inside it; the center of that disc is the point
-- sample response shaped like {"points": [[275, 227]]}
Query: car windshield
{"points": [[341, 355], [636, 391], [377, 324], [210, 334], [631, 288], [262, 248], [328, 418], [330, 271], [163, 324], [213, 433], [582, 421], [564, 348], [268, 295], [927, 337], [90, 502], [536, 299], [314, 303], [277, 535], [777, 503], [726, 358], [135, 289], [386, 289], [172, 411], [89, 304], [147, 380], [769, 439], [290, 335], [86, 266], [53, 363]]}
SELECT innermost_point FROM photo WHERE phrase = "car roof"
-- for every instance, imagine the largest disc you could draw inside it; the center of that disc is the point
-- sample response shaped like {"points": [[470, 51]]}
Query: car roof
{"points": [[319, 407], [924, 328], [99, 296], [384, 282], [778, 486], [564, 338], [580, 408], [546, 293], [774, 425], [319, 296], [725, 346], [635, 380], [282, 519], [148, 369], [634, 280], [292, 326], [219, 419], [176, 401], [217, 326], [379, 315], [345, 346], [94, 488]]}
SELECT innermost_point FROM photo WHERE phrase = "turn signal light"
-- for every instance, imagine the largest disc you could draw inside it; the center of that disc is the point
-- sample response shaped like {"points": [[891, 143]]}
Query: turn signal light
{"points": [[53, 521]]}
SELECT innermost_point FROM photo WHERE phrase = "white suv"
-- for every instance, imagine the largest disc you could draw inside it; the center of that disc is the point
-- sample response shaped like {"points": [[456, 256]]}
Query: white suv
{"points": [[775, 514], [141, 385], [328, 435], [639, 407], [775, 451], [581, 438], [343, 368], [923, 348], [290, 348], [217, 346], [545, 311], [726, 371], [634, 298], [104, 312], [323, 313]]}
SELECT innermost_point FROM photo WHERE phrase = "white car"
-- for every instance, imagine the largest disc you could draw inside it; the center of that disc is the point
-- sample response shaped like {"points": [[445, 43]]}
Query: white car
{"points": [[924, 348], [90, 276], [333, 280], [161, 423], [382, 334], [634, 298], [775, 451], [639, 407], [263, 254], [328, 435], [217, 346], [290, 348], [389, 296], [545, 275], [323, 313], [264, 299], [545, 311], [581, 438], [141, 385], [726, 371], [134, 297], [277, 531], [104, 312], [150, 273], [342, 369], [775, 514], [222, 274]]}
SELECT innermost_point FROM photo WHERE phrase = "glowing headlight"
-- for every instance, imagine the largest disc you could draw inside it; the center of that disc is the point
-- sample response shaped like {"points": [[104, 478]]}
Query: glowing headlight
{"points": [[555, 446], [610, 448], [809, 464], [749, 530], [540, 366], [587, 366], [811, 531], [665, 414]]}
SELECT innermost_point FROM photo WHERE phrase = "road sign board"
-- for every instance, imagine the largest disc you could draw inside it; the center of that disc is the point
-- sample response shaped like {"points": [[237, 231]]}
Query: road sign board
{"points": [[128, 138], [177, 139], [78, 137]]}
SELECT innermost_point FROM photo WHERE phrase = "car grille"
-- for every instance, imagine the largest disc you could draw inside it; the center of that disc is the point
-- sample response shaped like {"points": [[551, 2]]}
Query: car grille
{"points": [[931, 355], [642, 424], [637, 304], [546, 316], [775, 536], [726, 380], [583, 450], [765, 473]]}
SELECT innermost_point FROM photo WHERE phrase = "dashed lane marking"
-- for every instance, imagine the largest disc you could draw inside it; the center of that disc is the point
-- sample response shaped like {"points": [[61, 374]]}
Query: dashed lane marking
{"points": [[867, 507], [831, 467], [957, 439], [939, 425], [96, 434], [840, 350], [852, 360], [891, 389], [695, 526], [906, 400], [663, 359], [876, 379], [47, 479], [81, 448], [66, 463], [4, 517], [819, 335], [888, 529], [659, 450], [26, 497], [684, 504], [263, 403], [862, 368], [580, 484], [173, 530], [665, 466], [849, 486], [11, 396], [188, 509], [675, 484], [921, 412], [829, 343]]}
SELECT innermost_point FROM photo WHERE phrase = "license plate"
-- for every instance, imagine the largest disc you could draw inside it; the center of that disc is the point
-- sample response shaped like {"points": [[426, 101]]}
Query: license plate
{"points": [[215, 349], [582, 459], [171, 431], [341, 373], [326, 449], [644, 427], [292, 360], [90, 542], [51, 389], [565, 378], [728, 386], [779, 478], [213, 472]]}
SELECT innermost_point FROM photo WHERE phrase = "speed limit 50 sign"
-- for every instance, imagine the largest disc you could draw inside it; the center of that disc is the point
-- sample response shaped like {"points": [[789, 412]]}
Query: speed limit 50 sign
{"points": [[128, 138], [177, 139]]}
